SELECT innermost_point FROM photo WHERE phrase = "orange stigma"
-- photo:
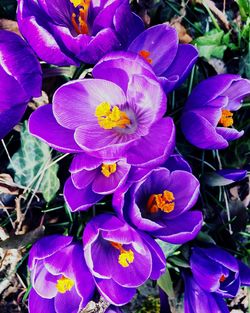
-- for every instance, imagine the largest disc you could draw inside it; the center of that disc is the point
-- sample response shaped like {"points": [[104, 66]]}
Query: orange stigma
{"points": [[226, 119], [223, 278], [81, 25], [126, 257], [109, 118], [163, 201], [145, 55]]}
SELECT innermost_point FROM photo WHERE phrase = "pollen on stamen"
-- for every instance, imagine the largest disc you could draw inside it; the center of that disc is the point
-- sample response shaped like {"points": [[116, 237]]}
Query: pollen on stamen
{"points": [[226, 119], [126, 257], [110, 118], [161, 202], [108, 169], [64, 284]]}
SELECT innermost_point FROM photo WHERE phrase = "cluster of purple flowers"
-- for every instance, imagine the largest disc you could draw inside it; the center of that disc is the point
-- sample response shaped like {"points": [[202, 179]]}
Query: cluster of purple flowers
{"points": [[122, 141]]}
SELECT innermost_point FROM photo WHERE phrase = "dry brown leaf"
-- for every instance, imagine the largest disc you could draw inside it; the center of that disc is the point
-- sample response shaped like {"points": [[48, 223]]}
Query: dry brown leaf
{"points": [[38, 102], [184, 37], [9, 25], [7, 185]]}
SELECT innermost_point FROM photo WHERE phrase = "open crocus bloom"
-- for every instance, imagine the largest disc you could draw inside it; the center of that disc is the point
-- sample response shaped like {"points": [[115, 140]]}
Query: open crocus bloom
{"points": [[171, 62], [91, 179], [61, 282], [207, 121], [119, 116], [115, 253], [65, 32], [160, 204], [20, 72], [215, 270]]}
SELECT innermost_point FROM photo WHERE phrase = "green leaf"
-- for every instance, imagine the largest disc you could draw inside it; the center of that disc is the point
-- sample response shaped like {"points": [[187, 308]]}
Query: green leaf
{"points": [[212, 44], [244, 6], [167, 248], [166, 284], [29, 160], [179, 262]]}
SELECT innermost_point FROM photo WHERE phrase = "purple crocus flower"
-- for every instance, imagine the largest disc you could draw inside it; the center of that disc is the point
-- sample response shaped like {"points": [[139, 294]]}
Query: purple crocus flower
{"points": [[160, 204], [171, 62], [107, 119], [61, 281], [113, 309], [120, 258], [207, 118], [91, 179], [198, 300], [225, 177], [20, 73], [216, 270], [65, 32]]}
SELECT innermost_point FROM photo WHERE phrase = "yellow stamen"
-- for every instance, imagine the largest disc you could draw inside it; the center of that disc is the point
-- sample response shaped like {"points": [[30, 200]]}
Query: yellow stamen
{"points": [[226, 119], [81, 27], [125, 257], [145, 55], [108, 169], [163, 202], [108, 118], [64, 284]]}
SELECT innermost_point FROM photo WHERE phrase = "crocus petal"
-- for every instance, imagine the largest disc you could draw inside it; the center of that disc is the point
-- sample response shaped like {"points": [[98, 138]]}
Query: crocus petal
{"points": [[83, 161], [38, 304], [79, 199], [153, 40], [182, 229], [152, 150], [44, 126], [36, 27], [114, 293], [232, 175], [229, 133], [236, 92], [84, 178], [10, 117], [127, 24], [244, 273], [85, 96], [209, 89], [46, 247], [182, 64], [67, 302], [177, 162], [19, 61], [113, 309], [158, 257], [118, 67], [107, 185], [197, 300], [141, 93], [43, 281], [105, 41], [199, 132], [206, 272]]}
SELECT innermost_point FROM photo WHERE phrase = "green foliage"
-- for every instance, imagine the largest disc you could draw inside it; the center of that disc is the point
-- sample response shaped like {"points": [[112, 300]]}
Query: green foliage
{"points": [[214, 43], [31, 159], [244, 6], [167, 248], [166, 284]]}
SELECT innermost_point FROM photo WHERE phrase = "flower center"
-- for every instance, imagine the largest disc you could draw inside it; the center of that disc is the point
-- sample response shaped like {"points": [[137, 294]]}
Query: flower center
{"points": [[126, 257], [223, 278], [64, 284], [108, 169], [226, 119], [108, 118], [145, 55], [163, 201], [80, 25]]}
